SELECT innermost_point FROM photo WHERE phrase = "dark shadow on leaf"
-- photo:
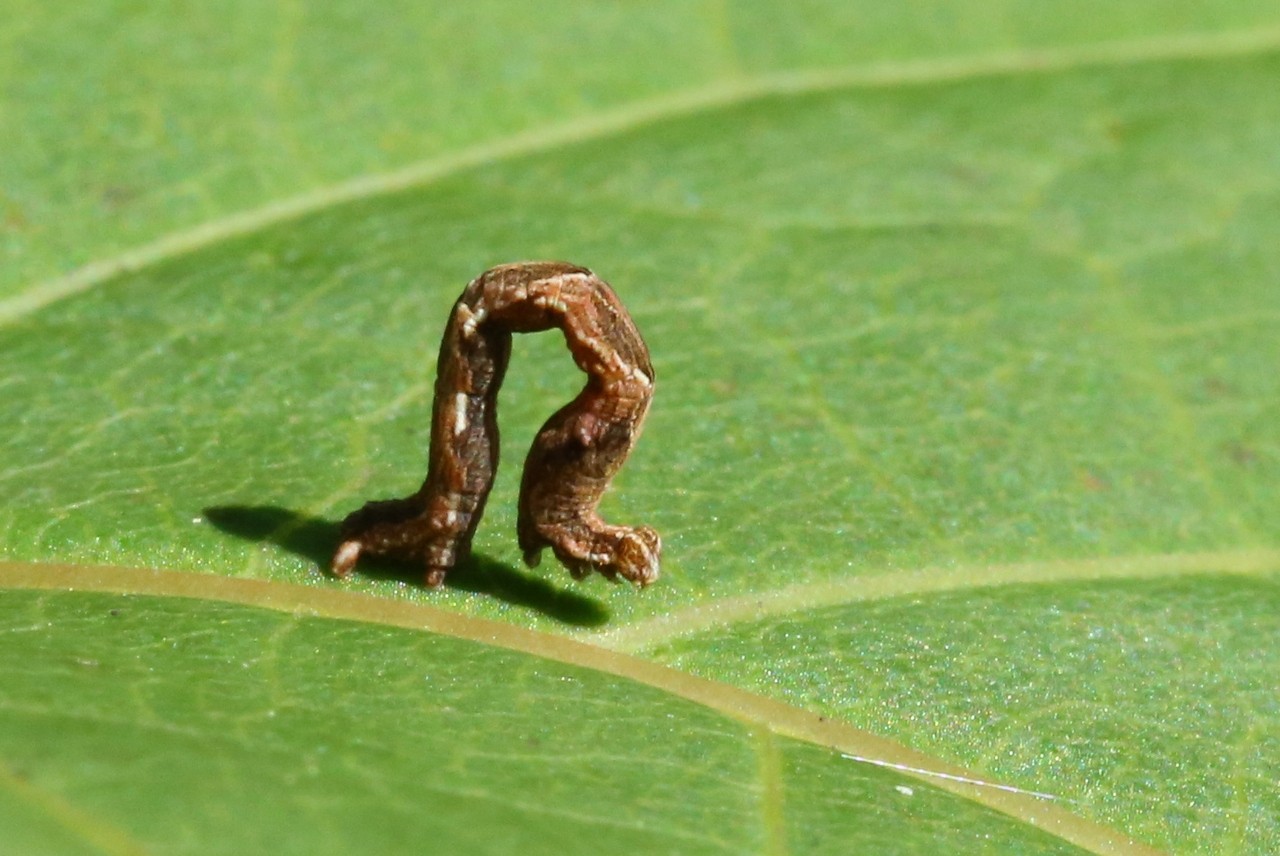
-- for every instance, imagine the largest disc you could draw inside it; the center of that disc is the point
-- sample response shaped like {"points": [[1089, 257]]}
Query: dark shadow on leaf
{"points": [[314, 540]]}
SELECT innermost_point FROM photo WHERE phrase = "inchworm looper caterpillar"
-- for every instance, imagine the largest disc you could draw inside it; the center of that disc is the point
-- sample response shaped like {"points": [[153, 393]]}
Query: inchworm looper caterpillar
{"points": [[573, 457]]}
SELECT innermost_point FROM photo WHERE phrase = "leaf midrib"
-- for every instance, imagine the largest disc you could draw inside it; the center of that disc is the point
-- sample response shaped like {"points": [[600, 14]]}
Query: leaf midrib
{"points": [[753, 710], [718, 95]]}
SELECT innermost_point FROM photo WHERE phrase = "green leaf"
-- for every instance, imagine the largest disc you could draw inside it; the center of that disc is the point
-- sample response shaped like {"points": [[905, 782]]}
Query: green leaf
{"points": [[965, 324], [438, 738]]}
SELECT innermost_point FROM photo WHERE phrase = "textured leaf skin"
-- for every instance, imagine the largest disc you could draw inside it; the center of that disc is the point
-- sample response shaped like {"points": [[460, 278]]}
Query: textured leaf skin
{"points": [[965, 323]]}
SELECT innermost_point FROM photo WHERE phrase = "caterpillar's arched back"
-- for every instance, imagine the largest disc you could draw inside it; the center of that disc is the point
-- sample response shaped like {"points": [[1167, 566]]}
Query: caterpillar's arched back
{"points": [[573, 458]]}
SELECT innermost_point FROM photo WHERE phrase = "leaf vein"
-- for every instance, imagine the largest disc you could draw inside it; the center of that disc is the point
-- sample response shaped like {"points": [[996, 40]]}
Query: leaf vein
{"points": [[719, 95]]}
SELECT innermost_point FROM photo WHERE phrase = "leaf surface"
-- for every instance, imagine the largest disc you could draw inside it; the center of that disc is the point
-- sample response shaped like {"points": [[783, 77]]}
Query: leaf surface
{"points": [[965, 433]]}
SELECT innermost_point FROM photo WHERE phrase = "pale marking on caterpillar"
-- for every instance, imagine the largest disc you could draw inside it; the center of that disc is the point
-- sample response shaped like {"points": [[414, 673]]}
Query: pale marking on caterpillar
{"points": [[460, 413], [572, 459]]}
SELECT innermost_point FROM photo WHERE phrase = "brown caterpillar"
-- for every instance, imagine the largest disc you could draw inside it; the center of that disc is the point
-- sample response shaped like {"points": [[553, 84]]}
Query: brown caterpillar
{"points": [[573, 457]]}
